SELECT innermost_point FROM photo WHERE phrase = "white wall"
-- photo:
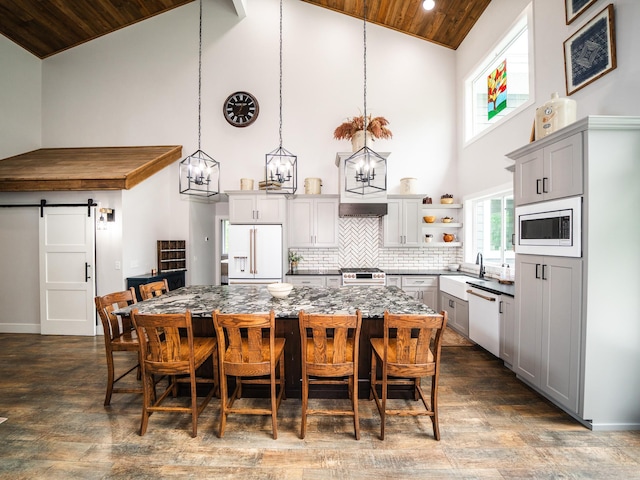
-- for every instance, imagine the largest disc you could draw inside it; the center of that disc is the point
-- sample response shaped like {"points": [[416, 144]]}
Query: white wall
{"points": [[481, 163], [20, 100], [138, 86]]}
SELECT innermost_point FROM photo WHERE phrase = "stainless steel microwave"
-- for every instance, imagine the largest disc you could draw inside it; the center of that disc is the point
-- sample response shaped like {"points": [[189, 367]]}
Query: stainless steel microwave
{"points": [[550, 228]]}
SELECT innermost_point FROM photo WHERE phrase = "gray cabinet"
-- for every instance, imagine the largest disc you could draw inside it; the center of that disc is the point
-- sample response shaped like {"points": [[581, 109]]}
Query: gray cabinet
{"points": [[554, 171], [507, 329], [313, 221], [575, 342], [457, 311], [402, 223], [423, 288], [249, 208], [315, 280], [548, 325]]}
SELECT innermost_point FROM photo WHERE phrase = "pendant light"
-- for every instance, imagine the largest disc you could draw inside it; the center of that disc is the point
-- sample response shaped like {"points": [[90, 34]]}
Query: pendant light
{"points": [[281, 166], [199, 173], [365, 171]]}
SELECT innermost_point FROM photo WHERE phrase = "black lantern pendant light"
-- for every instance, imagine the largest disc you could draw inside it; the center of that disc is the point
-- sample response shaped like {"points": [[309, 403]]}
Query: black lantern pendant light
{"points": [[281, 166], [199, 173], [365, 171]]}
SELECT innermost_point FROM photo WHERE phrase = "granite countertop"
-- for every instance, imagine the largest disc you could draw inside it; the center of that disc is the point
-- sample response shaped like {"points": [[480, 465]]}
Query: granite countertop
{"points": [[202, 300]]}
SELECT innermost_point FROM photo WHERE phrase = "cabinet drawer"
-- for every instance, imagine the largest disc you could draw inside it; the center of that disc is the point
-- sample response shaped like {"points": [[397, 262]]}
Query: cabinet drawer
{"points": [[306, 281], [413, 281]]}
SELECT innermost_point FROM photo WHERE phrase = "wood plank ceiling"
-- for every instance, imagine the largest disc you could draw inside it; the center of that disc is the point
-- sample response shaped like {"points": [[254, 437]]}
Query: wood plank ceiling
{"points": [[45, 28], [447, 24]]}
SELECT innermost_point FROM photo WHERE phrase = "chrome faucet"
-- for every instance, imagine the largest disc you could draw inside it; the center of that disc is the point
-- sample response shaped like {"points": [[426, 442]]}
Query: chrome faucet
{"points": [[480, 261]]}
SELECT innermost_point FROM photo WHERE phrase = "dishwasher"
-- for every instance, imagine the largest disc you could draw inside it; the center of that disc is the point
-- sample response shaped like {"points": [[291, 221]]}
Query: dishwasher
{"points": [[484, 319]]}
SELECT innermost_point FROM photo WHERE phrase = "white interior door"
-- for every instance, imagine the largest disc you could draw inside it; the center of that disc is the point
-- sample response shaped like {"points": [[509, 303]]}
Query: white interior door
{"points": [[67, 260]]}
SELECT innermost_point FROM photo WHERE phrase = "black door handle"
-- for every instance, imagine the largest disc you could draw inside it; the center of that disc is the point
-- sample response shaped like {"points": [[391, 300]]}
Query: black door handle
{"points": [[537, 270], [86, 272]]}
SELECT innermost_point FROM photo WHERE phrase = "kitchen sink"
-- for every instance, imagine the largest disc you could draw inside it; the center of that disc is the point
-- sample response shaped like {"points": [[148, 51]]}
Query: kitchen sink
{"points": [[456, 285]]}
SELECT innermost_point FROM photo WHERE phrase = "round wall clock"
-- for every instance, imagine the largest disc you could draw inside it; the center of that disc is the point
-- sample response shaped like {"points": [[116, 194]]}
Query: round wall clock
{"points": [[241, 109]]}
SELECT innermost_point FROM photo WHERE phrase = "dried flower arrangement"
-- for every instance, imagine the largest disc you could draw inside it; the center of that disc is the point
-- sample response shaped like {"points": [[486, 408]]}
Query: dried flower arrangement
{"points": [[377, 126]]}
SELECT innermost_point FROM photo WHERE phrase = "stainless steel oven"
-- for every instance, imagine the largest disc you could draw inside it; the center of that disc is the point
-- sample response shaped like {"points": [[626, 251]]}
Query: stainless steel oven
{"points": [[363, 276], [550, 228]]}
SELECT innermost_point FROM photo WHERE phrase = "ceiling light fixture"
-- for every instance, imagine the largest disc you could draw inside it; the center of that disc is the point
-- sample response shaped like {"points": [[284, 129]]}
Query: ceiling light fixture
{"points": [[199, 173], [360, 173], [281, 166], [428, 4]]}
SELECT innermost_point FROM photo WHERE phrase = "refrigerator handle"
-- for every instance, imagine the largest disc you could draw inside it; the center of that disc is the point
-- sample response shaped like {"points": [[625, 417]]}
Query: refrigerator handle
{"points": [[251, 251], [255, 251]]}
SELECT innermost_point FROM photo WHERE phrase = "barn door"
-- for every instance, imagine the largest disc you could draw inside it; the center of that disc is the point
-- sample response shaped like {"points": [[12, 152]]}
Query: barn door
{"points": [[67, 260]]}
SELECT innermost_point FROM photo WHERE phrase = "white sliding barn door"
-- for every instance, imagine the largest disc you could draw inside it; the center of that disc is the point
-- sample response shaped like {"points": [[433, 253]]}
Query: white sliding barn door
{"points": [[67, 260]]}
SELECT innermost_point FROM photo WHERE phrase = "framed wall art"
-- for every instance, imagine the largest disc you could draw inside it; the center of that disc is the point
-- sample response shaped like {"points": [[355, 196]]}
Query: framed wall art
{"points": [[573, 8], [590, 53]]}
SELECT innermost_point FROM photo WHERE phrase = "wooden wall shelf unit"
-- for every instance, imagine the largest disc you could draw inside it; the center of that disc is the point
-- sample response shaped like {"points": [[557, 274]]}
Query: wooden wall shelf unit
{"points": [[172, 255]]}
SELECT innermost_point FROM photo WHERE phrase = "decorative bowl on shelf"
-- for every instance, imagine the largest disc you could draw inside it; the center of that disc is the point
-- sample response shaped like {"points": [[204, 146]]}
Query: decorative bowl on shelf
{"points": [[429, 218], [447, 219], [447, 198], [280, 290]]}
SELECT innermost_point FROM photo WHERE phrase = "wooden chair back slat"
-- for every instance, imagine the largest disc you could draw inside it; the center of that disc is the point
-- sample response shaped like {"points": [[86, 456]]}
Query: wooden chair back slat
{"points": [[115, 325], [153, 289]]}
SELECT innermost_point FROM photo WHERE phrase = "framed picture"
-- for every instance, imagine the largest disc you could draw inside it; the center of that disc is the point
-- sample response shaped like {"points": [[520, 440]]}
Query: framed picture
{"points": [[590, 53], [573, 8]]}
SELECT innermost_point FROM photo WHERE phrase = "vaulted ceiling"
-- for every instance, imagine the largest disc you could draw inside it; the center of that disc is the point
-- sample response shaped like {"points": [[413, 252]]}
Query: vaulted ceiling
{"points": [[45, 28]]}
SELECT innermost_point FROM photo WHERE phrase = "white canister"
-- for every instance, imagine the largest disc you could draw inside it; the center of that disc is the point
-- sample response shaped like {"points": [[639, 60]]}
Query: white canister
{"points": [[246, 184], [553, 115], [408, 186], [312, 186]]}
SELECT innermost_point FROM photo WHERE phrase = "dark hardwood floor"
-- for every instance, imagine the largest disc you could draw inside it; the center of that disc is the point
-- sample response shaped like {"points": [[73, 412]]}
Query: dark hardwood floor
{"points": [[492, 426]]}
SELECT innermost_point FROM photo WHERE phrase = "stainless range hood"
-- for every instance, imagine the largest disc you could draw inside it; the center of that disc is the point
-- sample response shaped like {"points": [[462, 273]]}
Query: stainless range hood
{"points": [[355, 205]]}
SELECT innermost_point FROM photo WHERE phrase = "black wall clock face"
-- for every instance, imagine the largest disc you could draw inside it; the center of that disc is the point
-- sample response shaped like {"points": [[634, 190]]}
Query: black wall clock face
{"points": [[241, 109]]}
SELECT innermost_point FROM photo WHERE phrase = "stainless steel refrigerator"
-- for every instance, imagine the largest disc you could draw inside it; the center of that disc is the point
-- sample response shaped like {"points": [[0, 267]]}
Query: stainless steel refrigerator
{"points": [[255, 254]]}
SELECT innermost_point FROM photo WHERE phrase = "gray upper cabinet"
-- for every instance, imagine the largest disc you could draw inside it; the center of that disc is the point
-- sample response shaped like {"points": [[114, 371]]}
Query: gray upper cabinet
{"points": [[402, 223], [247, 207], [313, 221], [554, 171]]}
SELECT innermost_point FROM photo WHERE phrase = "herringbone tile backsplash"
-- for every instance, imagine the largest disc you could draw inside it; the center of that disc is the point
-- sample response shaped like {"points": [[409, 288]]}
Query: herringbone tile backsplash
{"points": [[361, 246], [359, 240]]}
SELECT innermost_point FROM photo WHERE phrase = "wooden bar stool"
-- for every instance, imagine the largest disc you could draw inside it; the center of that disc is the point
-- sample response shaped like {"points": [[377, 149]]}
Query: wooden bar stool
{"points": [[119, 336], [250, 352], [330, 346], [168, 347], [412, 353], [153, 289]]}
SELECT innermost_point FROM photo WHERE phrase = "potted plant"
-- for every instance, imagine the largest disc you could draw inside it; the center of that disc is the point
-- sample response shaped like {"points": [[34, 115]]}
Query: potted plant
{"points": [[294, 258], [349, 130]]}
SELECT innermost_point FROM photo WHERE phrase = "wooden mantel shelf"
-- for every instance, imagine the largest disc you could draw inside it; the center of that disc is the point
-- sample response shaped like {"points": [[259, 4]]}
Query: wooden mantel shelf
{"points": [[99, 168]]}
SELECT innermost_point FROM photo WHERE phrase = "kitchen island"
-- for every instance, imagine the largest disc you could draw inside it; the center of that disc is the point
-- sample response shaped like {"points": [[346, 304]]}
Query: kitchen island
{"points": [[371, 300]]}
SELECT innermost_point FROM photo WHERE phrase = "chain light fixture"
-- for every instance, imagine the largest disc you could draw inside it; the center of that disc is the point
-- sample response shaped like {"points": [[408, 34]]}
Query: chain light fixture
{"points": [[281, 166], [365, 171], [199, 173]]}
